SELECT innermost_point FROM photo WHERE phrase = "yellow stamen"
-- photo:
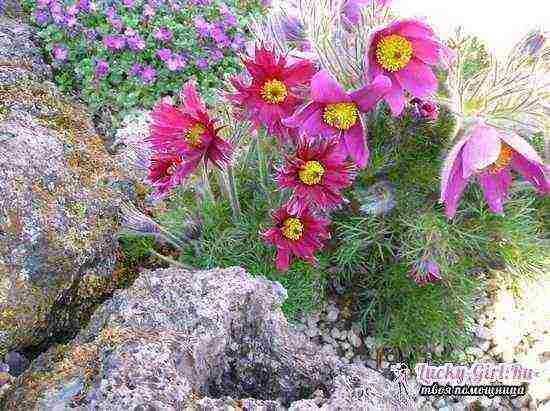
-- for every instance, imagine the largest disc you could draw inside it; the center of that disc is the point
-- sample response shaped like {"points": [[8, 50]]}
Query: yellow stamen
{"points": [[274, 91], [311, 173], [503, 160], [394, 52], [293, 228], [341, 115], [193, 134]]}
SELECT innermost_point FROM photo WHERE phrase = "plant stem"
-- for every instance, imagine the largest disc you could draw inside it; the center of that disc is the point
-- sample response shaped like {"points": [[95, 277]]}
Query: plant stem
{"points": [[262, 160], [208, 195], [232, 190]]}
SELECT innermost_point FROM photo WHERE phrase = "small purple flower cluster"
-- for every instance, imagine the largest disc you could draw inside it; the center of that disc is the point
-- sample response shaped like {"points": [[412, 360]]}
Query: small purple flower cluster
{"points": [[212, 40]]}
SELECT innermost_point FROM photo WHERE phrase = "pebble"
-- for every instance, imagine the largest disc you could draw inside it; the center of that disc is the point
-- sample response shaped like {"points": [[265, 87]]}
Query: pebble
{"points": [[440, 403], [332, 314], [345, 346], [354, 339], [335, 333]]}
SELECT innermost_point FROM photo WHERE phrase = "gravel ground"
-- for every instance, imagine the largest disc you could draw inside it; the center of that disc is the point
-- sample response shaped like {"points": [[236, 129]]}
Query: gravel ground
{"points": [[508, 329]]}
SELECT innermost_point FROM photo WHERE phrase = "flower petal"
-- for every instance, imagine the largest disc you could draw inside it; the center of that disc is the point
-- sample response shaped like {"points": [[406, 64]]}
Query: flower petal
{"points": [[532, 172], [417, 78], [298, 73], [426, 50], [395, 98], [283, 259], [367, 97], [481, 150], [454, 186], [521, 146], [325, 89], [411, 28], [495, 187], [450, 161], [355, 144]]}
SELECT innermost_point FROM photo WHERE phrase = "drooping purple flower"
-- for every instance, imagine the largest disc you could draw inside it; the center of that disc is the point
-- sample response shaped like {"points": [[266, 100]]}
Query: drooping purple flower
{"points": [[202, 26], [60, 52], [424, 109], [101, 69], [114, 42], [148, 74], [425, 272], [110, 12], [90, 34], [162, 34], [489, 155], [231, 21]]}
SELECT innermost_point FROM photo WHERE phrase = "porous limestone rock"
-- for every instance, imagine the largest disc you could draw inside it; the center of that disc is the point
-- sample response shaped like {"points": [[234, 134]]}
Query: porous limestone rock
{"points": [[204, 340], [59, 200]]}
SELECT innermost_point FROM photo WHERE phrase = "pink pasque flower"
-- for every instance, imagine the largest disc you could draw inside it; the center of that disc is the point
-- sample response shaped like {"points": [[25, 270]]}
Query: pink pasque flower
{"points": [[404, 51], [189, 132], [297, 234], [317, 172], [273, 93], [333, 112], [489, 155], [425, 272]]}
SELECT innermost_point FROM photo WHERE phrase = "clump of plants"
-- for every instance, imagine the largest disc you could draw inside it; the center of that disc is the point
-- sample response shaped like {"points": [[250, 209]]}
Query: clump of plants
{"points": [[360, 148], [127, 54]]}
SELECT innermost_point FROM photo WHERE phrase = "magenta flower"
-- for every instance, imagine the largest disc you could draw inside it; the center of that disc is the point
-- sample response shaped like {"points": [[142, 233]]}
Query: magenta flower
{"points": [[167, 171], [424, 109], [273, 92], [188, 131], [299, 234], [404, 51], [317, 172], [135, 70], [164, 54], [60, 52], [489, 155], [333, 112], [425, 272], [136, 43]]}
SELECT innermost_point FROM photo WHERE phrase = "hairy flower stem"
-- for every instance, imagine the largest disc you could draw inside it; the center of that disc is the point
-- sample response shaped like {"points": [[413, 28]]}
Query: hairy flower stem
{"points": [[206, 190], [262, 161], [232, 192]]}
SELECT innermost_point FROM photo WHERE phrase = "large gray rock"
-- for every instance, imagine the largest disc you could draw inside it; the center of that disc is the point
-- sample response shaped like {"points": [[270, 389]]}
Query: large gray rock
{"points": [[207, 340], [58, 201]]}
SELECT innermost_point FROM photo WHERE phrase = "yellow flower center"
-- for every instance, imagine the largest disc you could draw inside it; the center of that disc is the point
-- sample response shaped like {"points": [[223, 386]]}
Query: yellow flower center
{"points": [[274, 91], [503, 160], [341, 115], [193, 134], [293, 228], [311, 173], [393, 52]]}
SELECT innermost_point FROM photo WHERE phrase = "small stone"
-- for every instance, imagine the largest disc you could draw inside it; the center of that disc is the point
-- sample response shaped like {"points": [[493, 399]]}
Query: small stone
{"points": [[335, 333], [484, 345], [440, 403], [369, 342], [312, 332], [348, 355], [345, 346]]}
